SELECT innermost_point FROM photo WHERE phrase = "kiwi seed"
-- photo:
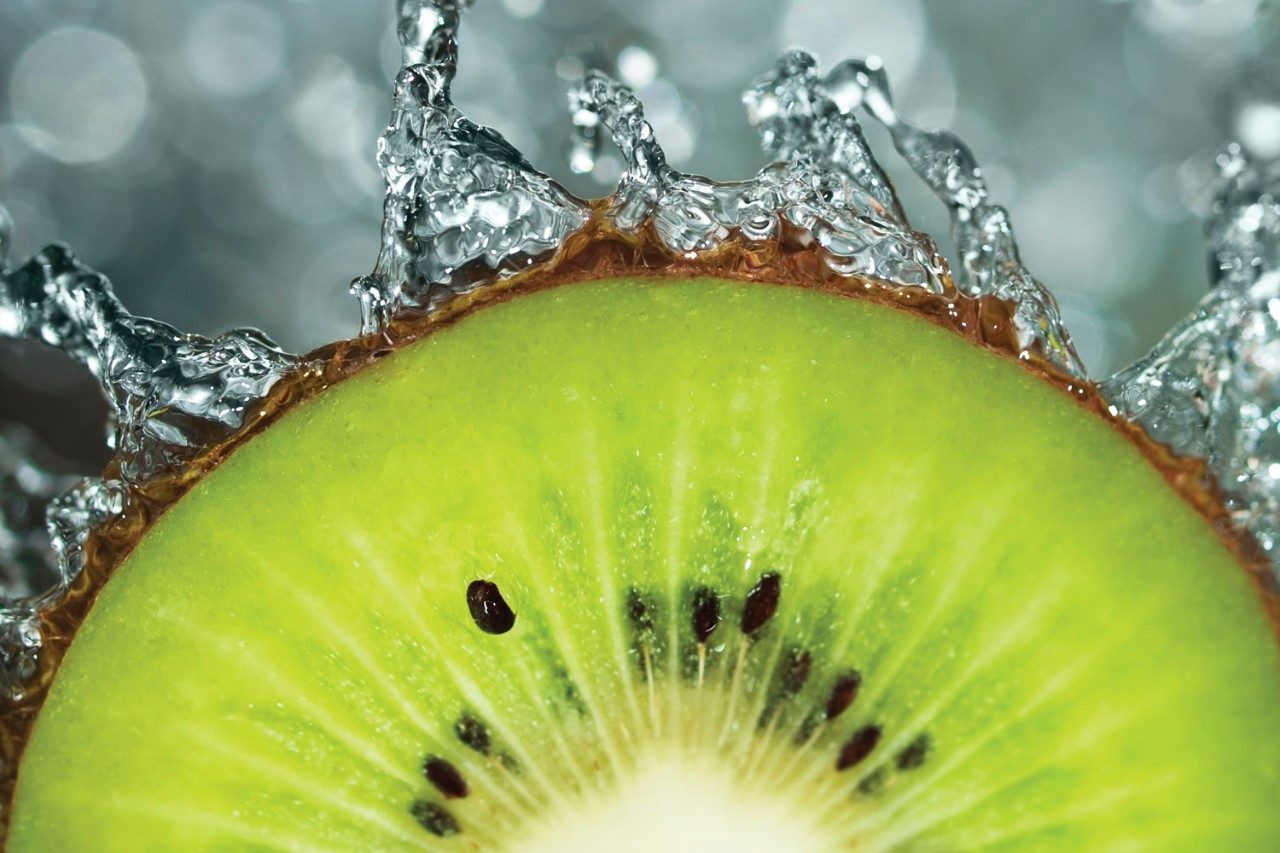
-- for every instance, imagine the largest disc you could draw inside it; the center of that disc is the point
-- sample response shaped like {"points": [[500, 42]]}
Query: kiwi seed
{"points": [[706, 614], [858, 747], [843, 692], [762, 603], [435, 818], [488, 608], [445, 777]]}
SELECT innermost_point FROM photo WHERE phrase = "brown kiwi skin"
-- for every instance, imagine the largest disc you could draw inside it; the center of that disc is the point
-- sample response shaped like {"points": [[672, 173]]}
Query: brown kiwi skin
{"points": [[599, 251]]}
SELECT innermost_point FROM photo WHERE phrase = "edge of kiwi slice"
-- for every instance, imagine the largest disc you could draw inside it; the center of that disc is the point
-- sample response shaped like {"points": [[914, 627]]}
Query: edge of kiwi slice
{"points": [[595, 255]]}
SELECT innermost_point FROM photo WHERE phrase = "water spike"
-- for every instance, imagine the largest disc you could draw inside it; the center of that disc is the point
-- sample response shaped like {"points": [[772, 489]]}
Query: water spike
{"points": [[692, 214], [799, 120], [598, 101], [172, 394], [463, 207], [427, 30], [28, 563], [989, 259], [828, 184], [45, 519], [848, 212], [1211, 387], [376, 304], [74, 513]]}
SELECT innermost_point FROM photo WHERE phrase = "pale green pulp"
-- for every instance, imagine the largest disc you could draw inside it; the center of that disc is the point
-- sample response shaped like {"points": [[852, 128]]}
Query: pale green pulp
{"points": [[1006, 572]]}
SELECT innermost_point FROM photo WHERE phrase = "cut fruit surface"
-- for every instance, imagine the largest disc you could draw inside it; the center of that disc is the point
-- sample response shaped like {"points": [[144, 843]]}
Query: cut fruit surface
{"points": [[625, 555]]}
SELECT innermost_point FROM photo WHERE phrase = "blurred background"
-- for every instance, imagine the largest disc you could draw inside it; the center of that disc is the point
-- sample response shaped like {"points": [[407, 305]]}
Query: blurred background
{"points": [[215, 158]]}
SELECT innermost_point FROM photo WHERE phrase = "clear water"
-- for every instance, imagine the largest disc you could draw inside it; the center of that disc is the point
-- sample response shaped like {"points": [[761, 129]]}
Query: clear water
{"points": [[464, 209], [45, 519], [1211, 387]]}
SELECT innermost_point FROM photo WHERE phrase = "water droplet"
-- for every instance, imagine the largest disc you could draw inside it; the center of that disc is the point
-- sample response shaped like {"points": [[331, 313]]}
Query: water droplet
{"points": [[637, 67], [236, 48]]}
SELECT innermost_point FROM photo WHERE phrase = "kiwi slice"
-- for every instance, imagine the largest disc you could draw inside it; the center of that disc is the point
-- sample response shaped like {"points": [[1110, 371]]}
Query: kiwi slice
{"points": [[681, 564]]}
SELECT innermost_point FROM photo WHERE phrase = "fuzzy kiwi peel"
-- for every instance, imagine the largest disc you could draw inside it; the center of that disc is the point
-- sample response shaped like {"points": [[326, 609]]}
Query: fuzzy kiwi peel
{"points": [[684, 562]]}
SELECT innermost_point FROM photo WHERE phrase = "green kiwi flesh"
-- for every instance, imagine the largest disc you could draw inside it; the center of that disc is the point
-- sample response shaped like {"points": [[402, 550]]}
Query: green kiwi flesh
{"points": [[687, 564]]}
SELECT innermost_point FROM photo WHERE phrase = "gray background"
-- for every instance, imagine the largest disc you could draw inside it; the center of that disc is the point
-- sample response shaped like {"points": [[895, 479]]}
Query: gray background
{"points": [[215, 158]]}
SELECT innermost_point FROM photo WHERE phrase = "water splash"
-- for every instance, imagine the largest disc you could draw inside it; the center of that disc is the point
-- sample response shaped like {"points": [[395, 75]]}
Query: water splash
{"points": [[806, 116], [990, 261], [826, 184], [171, 394], [28, 564], [1211, 387], [463, 207], [45, 519]]}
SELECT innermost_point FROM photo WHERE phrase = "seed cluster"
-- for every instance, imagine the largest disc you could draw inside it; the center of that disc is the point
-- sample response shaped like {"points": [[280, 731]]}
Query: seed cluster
{"points": [[704, 618], [760, 605]]}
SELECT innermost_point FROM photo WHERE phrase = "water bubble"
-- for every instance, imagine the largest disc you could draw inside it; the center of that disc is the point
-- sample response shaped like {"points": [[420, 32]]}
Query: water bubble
{"points": [[523, 8], [78, 95], [1258, 128], [236, 48], [636, 66], [333, 114], [569, 67], [1199, 20], [1249, 109], [1162, 194]]}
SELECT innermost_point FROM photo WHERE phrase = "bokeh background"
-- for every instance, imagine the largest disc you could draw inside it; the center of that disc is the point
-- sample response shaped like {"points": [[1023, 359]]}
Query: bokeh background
{"points": [[216, 157]]}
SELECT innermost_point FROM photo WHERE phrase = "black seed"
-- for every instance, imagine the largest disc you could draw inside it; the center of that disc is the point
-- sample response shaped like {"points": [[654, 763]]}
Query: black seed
{"points": [[706, 613], [761, 603], [489, 609], [914, 754], [843, 692], [639, 611], [858, 747], [473, 733], [445, 777], [435, 819], [796, 673]]}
